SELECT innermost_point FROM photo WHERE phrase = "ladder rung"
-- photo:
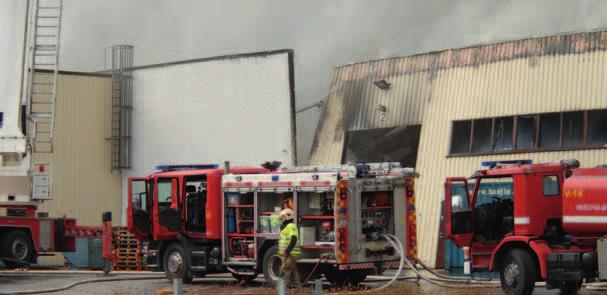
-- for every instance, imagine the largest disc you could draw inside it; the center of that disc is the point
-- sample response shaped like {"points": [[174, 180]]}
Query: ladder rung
{"points": [[41, 115], [48, 16], [44, 64], [45, 35], [46, 46], [45, 83], [42, 102], [49, 7]]}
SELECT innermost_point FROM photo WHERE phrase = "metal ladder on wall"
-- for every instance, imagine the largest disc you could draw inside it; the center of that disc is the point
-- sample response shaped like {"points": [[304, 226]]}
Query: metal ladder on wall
{"points": [[45, 31]]}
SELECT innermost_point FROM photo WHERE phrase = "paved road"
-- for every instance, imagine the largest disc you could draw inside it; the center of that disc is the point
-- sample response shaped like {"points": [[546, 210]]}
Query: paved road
{"points": [[214, 284]]}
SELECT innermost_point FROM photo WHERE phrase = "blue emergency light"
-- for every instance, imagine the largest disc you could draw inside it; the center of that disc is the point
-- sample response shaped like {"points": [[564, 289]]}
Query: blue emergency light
{"points": [[505, 162], [274, 177], [186, 167]]}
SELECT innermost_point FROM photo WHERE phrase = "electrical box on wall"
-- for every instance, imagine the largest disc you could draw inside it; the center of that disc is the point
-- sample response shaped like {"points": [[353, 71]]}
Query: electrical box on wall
{"points": [[41, 182]]}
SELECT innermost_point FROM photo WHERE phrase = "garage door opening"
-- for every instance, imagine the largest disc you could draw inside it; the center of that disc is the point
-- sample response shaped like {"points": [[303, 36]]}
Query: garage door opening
{"points": [[398, 144]]}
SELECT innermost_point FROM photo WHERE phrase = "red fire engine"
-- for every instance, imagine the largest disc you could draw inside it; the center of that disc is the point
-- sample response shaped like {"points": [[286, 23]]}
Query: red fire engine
{"points": [[198, 220], [24, 236], [531, 222]]}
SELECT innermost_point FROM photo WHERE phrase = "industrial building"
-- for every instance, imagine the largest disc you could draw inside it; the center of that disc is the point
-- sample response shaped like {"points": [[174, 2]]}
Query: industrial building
{"points": [[444, 112]]}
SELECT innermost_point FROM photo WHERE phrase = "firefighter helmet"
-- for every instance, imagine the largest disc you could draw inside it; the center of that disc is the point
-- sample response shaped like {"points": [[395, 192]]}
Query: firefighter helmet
{"points": [[286, 214]]}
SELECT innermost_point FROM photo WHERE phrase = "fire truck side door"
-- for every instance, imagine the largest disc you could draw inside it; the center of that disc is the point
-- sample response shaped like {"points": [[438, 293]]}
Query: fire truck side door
{"points": [[166, 217], [138, 208], [458, 211]]}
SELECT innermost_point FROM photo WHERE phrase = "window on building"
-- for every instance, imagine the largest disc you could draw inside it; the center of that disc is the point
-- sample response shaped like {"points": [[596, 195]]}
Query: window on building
{"points": [[460, 137], [502, 134], [398, 144], [1, 119], [533, 132], [550, 130], [597, 127], [550, 185], [525, 132], [573, 129], [481, 138]]}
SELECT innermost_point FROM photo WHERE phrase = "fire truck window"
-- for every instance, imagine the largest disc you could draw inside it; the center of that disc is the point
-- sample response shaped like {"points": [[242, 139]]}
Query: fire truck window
{"points": [[550, 130], [550, 185], [459, 197], [164, 193], [481, 138], [139, 197], [573, 129], [167, 216], [597, 127], [502, 134], [494, 209], [525, 132], [460, 137], [195, 204]]}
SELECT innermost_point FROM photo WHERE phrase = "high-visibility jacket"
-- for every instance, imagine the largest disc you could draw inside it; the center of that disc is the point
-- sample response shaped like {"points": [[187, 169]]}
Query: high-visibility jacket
{"points": [[285, 238]]}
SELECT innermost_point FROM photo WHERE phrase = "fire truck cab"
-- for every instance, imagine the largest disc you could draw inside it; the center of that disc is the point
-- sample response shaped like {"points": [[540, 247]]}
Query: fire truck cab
{"points": [[177, 211], [510, 220]]}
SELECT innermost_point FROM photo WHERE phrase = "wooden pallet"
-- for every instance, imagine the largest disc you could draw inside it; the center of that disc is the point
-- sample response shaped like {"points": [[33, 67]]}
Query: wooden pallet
{"points": [[128, 252]]}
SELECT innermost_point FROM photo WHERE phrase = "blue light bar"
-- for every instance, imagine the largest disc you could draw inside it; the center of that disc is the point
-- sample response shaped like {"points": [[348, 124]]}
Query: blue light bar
{"points": [[505, 162], [186, 167], [274, 177]]}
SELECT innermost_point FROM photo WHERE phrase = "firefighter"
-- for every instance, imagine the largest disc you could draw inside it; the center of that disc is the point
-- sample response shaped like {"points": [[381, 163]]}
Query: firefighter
{"points": [[288, 247]]}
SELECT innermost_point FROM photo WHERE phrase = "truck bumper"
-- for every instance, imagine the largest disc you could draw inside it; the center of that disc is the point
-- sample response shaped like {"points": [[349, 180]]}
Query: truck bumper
{"points": [[570, 267], [152, 260]]}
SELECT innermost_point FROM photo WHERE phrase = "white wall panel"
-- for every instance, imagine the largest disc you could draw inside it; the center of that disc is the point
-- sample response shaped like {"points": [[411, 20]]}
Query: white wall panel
{"points": [[236, 108]]}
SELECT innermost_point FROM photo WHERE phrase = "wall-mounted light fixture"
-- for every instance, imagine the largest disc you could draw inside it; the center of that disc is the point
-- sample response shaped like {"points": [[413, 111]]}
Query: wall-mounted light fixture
{"points": [[382, 84]]}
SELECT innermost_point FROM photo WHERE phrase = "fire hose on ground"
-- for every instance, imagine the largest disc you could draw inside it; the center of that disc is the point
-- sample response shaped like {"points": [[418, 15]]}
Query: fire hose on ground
{"points": [[81, 282]]}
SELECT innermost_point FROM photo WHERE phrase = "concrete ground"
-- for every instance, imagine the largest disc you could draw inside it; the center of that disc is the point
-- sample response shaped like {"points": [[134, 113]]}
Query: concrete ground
{"points": [[155, 283]]}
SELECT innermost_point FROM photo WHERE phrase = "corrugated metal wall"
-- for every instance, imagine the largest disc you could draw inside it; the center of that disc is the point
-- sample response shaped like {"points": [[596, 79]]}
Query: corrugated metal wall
{"points": [[83, 185], [556, 73]]}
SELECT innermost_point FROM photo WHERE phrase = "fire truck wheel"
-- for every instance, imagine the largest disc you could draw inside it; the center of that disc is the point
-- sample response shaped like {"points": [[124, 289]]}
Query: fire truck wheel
{"points": [[176, 265], [271, 265], [518, 272], [570, 287], [17, 246]]}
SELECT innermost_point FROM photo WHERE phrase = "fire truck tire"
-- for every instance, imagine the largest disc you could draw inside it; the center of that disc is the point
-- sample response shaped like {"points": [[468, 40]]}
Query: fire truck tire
{"points": [[176, 265], [518, 272], [341, 278], [16, 246], [271, 265]]}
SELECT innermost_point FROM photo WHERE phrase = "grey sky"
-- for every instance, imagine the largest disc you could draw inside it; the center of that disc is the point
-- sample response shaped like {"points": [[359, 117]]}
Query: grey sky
{"points": [[323, 33]]}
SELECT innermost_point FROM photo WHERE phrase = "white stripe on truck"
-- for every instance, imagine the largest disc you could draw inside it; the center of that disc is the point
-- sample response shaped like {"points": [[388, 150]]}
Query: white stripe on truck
{"points": [[584, 219], [521, 220]]}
